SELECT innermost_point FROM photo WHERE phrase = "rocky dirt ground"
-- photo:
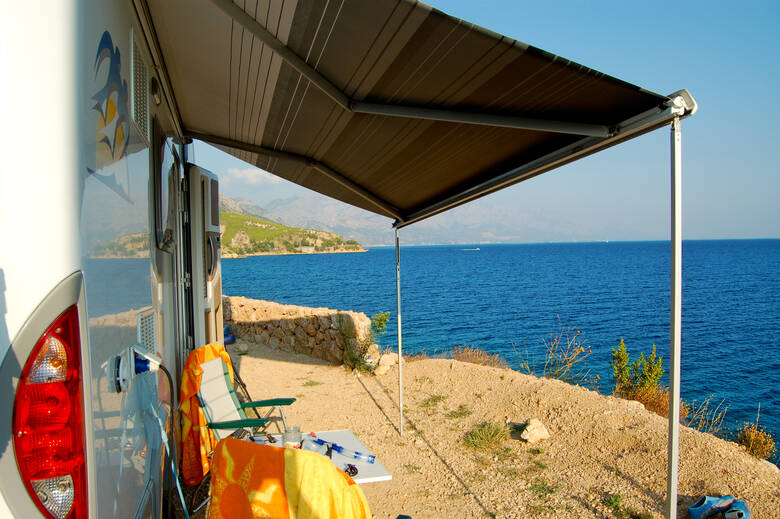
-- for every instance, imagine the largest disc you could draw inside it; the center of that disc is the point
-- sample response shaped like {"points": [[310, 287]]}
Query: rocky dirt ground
{"points": [[599, 446]]}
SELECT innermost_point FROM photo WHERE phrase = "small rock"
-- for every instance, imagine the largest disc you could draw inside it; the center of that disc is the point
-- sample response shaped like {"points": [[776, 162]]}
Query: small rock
{"points": [[633, 404], [535, 431], [241, 348], [382, 369], [388, 359]]}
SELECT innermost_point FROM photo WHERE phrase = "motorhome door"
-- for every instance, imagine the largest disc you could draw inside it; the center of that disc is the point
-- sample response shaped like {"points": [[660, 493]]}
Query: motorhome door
{"points": [[205, 247]]}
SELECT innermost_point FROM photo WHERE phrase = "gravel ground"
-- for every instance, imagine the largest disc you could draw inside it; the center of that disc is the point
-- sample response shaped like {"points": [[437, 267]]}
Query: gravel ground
{"points": [[599, 446]]}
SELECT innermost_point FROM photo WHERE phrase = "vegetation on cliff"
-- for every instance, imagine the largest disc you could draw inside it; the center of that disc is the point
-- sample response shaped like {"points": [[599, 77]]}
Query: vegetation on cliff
{"points": [[245, 235], [135, 245]]}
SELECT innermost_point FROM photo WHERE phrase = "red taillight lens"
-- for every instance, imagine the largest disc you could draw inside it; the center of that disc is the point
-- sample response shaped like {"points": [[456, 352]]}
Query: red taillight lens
{"points": [[48, 422]]}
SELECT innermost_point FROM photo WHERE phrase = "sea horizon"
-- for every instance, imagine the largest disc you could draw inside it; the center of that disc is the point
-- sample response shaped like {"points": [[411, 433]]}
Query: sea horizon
{"points": [[482, 244]]}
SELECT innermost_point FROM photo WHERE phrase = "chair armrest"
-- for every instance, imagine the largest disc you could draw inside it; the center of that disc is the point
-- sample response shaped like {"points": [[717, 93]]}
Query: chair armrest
{"points": [[268, 403], [239, 424]]}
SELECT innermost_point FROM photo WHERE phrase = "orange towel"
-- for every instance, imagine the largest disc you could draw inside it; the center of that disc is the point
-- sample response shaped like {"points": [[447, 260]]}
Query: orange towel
{"points": [[259, 481], [197, 440]]}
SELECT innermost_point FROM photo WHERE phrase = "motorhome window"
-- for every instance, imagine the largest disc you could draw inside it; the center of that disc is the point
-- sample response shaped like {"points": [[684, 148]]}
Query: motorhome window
{"points": [[214, 202], [165, 186]]}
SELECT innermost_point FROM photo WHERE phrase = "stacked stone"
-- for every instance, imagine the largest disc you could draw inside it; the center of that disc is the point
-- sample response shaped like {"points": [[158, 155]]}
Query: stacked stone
{"points": [[311, 331]]}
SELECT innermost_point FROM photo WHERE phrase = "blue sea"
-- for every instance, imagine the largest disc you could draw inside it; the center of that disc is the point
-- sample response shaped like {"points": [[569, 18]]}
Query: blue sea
{"points": [[507, 298]]}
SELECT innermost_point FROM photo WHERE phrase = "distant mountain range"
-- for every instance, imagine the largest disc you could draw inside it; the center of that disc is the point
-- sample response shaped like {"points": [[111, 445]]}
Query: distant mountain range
{"points": [[242, 206], [477, 222]]}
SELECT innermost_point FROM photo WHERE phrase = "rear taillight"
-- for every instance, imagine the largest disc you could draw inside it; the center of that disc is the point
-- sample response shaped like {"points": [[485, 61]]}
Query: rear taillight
{"points": [[48, 425]]}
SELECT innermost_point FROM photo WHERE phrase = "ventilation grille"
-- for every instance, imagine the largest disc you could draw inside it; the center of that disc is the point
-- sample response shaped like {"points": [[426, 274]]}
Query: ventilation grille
{"points": [[147, 330], [140, 91]]}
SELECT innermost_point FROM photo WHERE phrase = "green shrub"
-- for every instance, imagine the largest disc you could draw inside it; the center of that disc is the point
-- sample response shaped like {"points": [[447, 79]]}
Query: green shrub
{"points": [[613, 501], [640, 381], [355, 350], [378, 325], [643, 374]]}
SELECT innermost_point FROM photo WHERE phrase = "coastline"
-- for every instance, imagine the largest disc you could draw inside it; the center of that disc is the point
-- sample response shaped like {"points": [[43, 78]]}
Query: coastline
{"points": [[234, 256]]}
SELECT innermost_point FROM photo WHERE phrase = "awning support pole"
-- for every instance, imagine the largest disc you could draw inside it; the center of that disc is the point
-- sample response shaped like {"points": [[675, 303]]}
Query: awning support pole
{"points": [[400, 348], [675, 322]]}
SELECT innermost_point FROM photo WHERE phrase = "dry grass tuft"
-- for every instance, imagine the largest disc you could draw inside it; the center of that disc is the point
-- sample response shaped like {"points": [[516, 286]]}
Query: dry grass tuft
{"points": [[542, 489], [433, 401], [707, 420], [476, 356], [487, 435], [414, 357], [615, 502], [757, 440], [461, 412], [656, 399], [565, 359]]}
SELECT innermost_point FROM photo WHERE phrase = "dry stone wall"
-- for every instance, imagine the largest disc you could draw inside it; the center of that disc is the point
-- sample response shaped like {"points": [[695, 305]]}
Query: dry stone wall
{"points": [[311, 331]]}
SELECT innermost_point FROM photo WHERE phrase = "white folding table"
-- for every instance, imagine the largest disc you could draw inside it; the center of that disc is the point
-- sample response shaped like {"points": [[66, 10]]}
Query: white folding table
{"points": [[367, 472]]}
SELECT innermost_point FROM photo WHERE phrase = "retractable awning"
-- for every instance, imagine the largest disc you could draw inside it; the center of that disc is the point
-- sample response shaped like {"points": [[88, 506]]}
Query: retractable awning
{"points": [[400, 109], [387, 105]]}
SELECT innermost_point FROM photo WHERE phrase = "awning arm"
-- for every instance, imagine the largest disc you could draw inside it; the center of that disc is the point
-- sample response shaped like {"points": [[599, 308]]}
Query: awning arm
{"points": [[504, 121], [681, 104], [387, 208], [238, 15]]}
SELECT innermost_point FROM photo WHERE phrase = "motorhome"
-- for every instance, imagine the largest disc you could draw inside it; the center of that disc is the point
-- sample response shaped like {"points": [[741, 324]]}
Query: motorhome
{"points": [[110, 232], [110, 242]]}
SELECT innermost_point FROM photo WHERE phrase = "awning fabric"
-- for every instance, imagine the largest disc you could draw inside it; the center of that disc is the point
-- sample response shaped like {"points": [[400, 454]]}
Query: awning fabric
{"points": [[233, 89]]}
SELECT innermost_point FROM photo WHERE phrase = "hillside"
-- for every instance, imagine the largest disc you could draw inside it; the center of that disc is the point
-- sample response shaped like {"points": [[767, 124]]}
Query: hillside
{"points": [[244, 235], [135, 245]]}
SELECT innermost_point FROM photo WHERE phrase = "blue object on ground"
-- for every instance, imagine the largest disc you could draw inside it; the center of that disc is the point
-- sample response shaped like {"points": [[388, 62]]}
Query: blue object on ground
{"points": [[229, 337], [738, 510], [708, 506]]}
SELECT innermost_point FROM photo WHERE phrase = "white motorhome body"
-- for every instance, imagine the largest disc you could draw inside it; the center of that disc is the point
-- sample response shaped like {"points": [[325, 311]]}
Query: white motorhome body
{"points": [[99, 211]]}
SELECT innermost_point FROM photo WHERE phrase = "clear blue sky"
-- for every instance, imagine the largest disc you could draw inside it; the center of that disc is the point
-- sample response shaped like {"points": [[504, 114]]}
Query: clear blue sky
{"points": [[726, 54]]}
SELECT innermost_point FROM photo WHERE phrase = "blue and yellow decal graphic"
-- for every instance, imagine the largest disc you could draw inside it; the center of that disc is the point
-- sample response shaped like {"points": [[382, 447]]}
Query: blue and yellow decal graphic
{"points": [[111, 103], [112, 130]]}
